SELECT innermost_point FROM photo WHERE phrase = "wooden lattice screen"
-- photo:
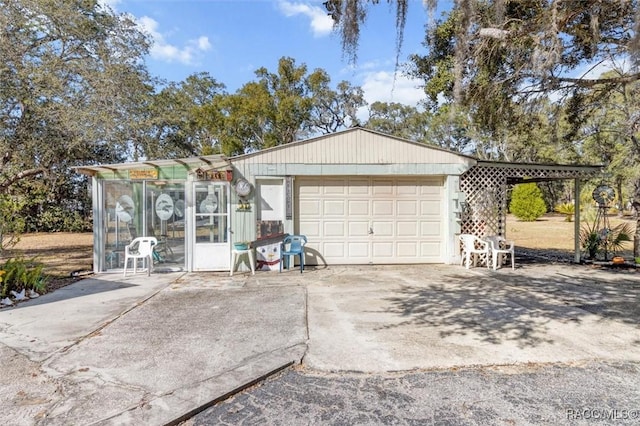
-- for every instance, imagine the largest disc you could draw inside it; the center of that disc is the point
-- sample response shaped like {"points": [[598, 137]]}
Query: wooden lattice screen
{"points": [[485, 187]]}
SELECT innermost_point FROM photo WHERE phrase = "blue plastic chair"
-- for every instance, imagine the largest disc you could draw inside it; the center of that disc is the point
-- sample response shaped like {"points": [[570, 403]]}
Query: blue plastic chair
{"points": [[295, 244]]}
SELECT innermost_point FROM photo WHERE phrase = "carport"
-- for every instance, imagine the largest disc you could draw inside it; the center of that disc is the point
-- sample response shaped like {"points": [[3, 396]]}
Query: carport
{"points": [[484, 211]]}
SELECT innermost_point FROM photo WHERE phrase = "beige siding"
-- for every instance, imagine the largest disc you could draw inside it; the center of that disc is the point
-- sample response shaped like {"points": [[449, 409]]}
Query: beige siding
{"points": [[356, 146]]}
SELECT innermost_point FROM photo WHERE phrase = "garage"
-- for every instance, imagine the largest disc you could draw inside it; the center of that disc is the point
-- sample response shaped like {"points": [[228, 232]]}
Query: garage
{"points": [[359, 196], [374, 219]]}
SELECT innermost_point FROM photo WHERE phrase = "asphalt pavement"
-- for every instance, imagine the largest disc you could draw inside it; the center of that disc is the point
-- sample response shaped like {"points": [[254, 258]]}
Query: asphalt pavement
{"points": [[542, 394]]}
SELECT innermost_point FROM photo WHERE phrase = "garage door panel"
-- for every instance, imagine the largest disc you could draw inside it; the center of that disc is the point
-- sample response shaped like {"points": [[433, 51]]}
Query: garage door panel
{"points": [[358, 250], [430, 229], [383, 249], [310, 229], [310, 188], [358, 229], [407, 249], [335, 250], [334, 229], [333, 207], [407, 229], [358, 207], [430, 207], [310, 208], [359, 187], [430, 249], [383, 229], [382, 208], [382, 188], [407, 208], [335, 187], [408, 191], [405, 215]]}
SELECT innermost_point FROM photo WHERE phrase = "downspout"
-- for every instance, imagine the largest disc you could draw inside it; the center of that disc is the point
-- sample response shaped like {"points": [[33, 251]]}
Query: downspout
{"points": [[576, 221]]}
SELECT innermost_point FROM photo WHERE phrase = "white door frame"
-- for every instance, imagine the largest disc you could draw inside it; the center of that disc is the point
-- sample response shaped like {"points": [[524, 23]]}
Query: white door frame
{"points": [[210, 252]]}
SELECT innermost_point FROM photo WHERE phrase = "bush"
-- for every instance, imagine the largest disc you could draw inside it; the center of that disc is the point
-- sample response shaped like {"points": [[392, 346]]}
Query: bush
{"points": [[20, 273], [527, 203], [57, 219], [567, 209], [595, 241]]}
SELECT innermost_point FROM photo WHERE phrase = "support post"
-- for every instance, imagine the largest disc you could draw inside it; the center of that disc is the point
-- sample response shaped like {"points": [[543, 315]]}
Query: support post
{"points": [[576, 221]]}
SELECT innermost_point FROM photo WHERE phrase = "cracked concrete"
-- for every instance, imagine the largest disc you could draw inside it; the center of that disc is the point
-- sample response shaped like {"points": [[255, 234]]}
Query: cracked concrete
{"points": [[109, 350]]}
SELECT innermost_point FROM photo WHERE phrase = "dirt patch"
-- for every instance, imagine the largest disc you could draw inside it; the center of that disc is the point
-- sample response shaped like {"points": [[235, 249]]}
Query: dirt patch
{"points": [[65, 255], [552, 236]]}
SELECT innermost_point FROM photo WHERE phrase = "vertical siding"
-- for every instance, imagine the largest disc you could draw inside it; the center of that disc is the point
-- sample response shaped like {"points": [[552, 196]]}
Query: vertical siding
{"points": [[353, 147]]}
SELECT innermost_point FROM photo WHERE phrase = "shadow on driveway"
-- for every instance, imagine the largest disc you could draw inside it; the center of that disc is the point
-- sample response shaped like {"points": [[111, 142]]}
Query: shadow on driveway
{"points": [[519, 306]]}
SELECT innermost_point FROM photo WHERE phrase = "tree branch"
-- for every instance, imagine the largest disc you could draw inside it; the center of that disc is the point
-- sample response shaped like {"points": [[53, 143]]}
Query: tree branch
{"points": [[18, 176], [589, 82]]}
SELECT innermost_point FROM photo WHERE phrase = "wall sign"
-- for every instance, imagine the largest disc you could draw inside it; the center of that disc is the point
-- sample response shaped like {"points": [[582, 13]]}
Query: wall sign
{"points": [[143, 174], [288, 196], [224, 175]]}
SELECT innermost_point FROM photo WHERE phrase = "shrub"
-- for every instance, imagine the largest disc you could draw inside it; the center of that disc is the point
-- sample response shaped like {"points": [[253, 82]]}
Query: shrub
{"points": [[527, 203], [589, 240], [594, 241], [22, 273], [567, 209]]}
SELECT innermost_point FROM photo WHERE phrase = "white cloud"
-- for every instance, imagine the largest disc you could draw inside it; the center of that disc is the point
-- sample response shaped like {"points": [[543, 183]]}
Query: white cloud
{"points": [[164, 51], [595, 70], [380, 86], [111, 3], [321, 22], [203, 43]]}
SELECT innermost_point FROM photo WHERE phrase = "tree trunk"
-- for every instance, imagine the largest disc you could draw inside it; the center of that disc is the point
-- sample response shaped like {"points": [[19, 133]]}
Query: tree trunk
{"points": [[636, 208], [620, 197]]}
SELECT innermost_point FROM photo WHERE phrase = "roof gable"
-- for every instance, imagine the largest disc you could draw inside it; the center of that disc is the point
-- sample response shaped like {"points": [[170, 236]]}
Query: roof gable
{"points": [[355, 146]]}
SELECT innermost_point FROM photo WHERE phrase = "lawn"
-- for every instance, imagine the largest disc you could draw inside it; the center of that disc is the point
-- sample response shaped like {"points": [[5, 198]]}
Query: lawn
{"points": [[552, 232]]}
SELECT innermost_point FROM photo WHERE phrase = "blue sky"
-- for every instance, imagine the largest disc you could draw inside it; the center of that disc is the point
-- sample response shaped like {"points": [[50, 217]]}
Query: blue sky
{"points": [[230, 39]]}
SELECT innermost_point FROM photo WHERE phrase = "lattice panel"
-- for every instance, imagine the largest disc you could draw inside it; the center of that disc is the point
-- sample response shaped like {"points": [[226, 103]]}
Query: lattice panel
{"points": [[486, 189]]}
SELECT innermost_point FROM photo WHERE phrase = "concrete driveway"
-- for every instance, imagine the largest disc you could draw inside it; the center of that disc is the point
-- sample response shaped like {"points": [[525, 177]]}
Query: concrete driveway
{"points": [[379, 319], [157, 350]]}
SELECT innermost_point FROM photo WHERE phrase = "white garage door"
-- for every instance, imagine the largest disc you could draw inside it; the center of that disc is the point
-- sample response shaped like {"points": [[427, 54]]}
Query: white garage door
{"points": [[361, 220]]}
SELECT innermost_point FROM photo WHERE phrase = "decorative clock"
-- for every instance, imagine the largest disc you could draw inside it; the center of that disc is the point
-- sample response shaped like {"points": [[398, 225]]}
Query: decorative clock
{"points": [[243, 187]]}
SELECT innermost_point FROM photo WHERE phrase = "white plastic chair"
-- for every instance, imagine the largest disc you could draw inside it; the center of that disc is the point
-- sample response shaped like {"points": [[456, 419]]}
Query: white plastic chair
{"points": [[140, 248], [499, 247], [472, 245]]}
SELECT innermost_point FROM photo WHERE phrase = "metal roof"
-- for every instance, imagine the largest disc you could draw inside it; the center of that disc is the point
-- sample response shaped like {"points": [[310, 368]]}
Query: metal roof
{"points": [[207, 162]]}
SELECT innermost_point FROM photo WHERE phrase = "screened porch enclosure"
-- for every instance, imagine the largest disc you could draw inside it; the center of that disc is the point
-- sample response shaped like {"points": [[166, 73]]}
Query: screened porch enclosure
{"points": [[140, 209]]}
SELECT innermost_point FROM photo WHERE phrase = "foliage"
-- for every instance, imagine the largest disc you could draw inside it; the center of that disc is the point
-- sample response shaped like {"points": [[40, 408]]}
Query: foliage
{"points": [[527, 203], [506, 47], [333, 110], [594, 241], [279, 108], [399, 120], [178, 121], [589, 241], [19, 273], [73, 88], [618, 235], [567, 209], [12, 224]]}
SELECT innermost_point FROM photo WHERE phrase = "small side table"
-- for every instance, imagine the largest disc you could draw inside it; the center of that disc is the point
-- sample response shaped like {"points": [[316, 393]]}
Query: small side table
{"points": [[237, 254]]}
